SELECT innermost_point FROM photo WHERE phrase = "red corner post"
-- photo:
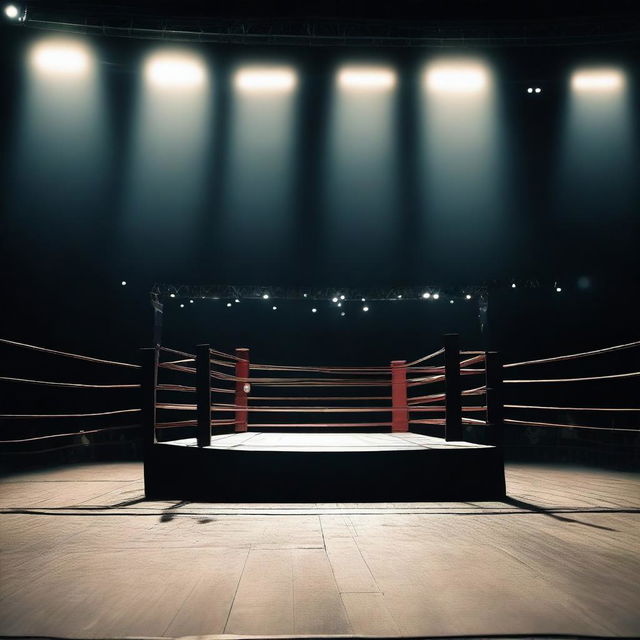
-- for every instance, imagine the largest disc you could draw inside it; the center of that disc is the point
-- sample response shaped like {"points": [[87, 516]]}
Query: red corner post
{"points": [[242, 371], [399, 410]]}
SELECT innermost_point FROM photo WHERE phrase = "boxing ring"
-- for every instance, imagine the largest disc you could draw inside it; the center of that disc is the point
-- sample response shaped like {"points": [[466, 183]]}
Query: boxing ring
{"points": [[214, 426], [317, 449]]}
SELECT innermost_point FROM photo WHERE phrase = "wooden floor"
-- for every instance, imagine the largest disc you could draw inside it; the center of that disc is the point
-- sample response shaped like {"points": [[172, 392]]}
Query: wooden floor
{"points": [[334, 442], [84, 556]]}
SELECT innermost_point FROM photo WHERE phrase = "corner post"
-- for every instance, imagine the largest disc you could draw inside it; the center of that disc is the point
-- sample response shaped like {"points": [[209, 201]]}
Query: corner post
{"points": [[203, 394], [399, 410], [148, 384], [453, 388], [242, 371], [495, 399]]}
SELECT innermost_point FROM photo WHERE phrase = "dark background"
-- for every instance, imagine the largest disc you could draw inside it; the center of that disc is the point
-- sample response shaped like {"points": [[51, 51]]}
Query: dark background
{"points": [[63, 256]]}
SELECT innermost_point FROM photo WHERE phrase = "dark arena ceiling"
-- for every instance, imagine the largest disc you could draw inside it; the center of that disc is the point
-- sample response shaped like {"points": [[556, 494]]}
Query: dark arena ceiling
{"points": [[400, 23]]}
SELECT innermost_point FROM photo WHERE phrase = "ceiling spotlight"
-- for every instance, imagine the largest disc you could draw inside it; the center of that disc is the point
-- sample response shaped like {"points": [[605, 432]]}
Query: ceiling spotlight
{"points": [[334, 299], [342, 314], [182, 305], [530, 90], [314, 310], [274, 307], [456, 78], [558, 289], [265, 296], [304, 295], [513, 285], [124, 283], [14, 13], [468, 296], [365, 308], [265, 80], [399, 296], [363, 300], [450, 301], [236, 301], [169, 70], [228, 304], [436, 296], [61, 57], [339, 304], [190, 301], [341, 297], [366, 78], [597, 80], [426, 295], [538, 90], [172, 295]]}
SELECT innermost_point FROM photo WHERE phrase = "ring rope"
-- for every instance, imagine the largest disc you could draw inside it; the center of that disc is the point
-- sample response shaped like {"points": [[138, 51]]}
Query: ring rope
{"points": [[526, 406], [324, 398], [74, 385], [571, 356], [65, 435], [177, 352], [473, 360], [175, 387], [222, 354], [66, 415], [326, 424], [431, 355], [68, 355], [615, 375], [567, 426]]}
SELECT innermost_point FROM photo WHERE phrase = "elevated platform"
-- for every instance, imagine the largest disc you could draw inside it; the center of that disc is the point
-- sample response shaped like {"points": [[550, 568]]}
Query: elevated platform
{"points": [[326, 467]]}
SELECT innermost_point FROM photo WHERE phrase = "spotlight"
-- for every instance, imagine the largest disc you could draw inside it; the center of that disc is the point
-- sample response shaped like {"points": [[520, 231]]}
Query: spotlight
{"points": [[274, 307], [343, 313], [314, 310], [175, 71], [513, 285], [182, 305], [597, 80], [341, 297], [12, 12], [236, 301], [190, 301], [538, 90], [558, 289], [365, 308], [530, 90], [366, 78], [334, 299], [426, 295], [339, 304], [468, 296], [124, 283], [228, 304], [265, 296], [172, 295], [450, 301], [265, 79], [363, 300], [61, 57], [400, 296], [436, 296], [456, 79], [304, 295]]}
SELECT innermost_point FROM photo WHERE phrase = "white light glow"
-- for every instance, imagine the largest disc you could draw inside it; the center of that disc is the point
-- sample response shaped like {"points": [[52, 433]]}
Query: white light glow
{"points": [[172, 70], [228, 304], [265, 79], [449, 78], [513, 285], [559, 289], [265, 296], [172, 295], [334, 299], [124, 283], [61, 57], [341, 297], [182, 305], [343, 313], [236, 301], [436, 296], [366, 78], [468, 296], [365, 308], [426, 295], [11, 11], [314, 310], [274, 307], [190, 301], [597, 80]]}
